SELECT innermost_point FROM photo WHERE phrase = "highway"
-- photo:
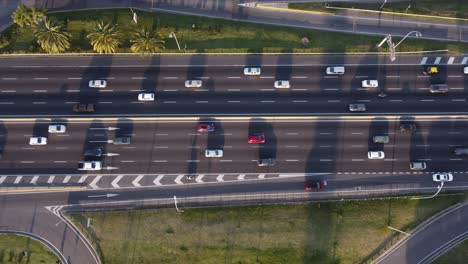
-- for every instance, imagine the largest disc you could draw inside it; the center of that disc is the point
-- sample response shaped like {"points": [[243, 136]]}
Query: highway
{"points": [[28, 90]]}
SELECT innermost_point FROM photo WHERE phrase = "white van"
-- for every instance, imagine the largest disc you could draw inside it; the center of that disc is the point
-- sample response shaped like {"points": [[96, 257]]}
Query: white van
{"points": [[335, 70]]}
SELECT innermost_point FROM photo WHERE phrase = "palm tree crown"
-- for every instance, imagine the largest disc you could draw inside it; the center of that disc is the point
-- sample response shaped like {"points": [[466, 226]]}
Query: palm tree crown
{"points": [[104, 37], [147, 41], [51, 36]]}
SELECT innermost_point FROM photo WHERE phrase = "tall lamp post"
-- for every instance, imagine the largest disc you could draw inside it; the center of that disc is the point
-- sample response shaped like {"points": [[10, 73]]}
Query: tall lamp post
{"points": [[173, 35], [439, 188], [392, 45]]}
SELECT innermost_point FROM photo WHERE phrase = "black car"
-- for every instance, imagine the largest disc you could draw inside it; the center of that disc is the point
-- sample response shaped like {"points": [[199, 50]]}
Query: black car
{"points": [[407, 127], [93, 153]]}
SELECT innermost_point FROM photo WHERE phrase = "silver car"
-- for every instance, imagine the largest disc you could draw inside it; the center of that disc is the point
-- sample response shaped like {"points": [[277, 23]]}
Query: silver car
{"points": [[357, 107]]}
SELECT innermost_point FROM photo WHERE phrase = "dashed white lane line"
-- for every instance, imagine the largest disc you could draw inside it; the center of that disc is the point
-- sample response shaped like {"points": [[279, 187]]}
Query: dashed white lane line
{"points": [[299, 89], [71, 102], [455, 76], [394, 89], [357, 160], [199, 178], [454, 132], [62, 147], [72, 91], [27, 161], [39, 102], [267, 101], [292, 133], [300, 101], [139, 78], [298, 77], [422, 145], [455, 159], [2, 179], [67, 179], [7, 103], [331, 89], [425, 159], [393, 76], [171, 90], [267, 90], [357, 133], [330, 77], [361, 76], [104, 102], [115, 182], [18, 179], [160, 161], [193, 160], [334, 101], [74, 78], [93, 184], [266, 77], [291, 146], [161, 134], [170, 78], [233, 90], [161, 147], [137, 90], [423, 76], [396, 100], [9, 91], [169, 102], [325, 133], [220, 178], [136, 181], [390, 159], [127, 161], [234, 77], [292, 160], [41, 78], [51, 179], [137, 102], [60, 161], [34, 179], [233, 101], [158, 179], [40, 91], [9, 79], [201, 102], [458, 100], [457, 88], [225, 160], [178, 179], [326, 160], [364, 101], [357, 146], [427, 100], [325, 146], [82, 179]]}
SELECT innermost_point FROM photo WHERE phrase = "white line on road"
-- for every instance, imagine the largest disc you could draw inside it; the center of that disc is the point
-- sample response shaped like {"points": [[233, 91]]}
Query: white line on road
{"points": [[291, 146], [34, 179], [300, 101], [51, 179], [393, 76], [7, 103], [225, 160], [394, 88], [334, 101], [298, 77], [464, 60], [160, 161], [292, 160], [424, 60], [40, 91], [27, 161], [157, 180], [201, 102], [178, 179], [39, 102], [115, 182], [199, 178], [139, 78], [325, 160], [330, 77], [9, 79], [2, 179], [427, 100], [457, 88], [233, 90], [67, 179], [82, 178], [104, 102], [458, 100], [267, 90], [357, 160], [60, 161], [74, 78], [331, 89], [170, 78], [361, 76], [193, 160], [299, 89], [137, 90], [451, 59], [455, 76], [127, 161], [72, 91], [9, 91], [233, 101], [93, 184], [396, 100], [18, 179], [233, 77], [41, 78], [136, 181], [169, 102], [171, 90], [241, 177], [220, 178], [161, 134], [266, 77], [267, 101], [437, 60], [161, 147]]}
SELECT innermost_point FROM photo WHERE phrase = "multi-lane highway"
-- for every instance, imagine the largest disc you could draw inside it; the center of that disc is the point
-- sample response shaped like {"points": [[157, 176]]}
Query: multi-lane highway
{"points": [[53, 90]]}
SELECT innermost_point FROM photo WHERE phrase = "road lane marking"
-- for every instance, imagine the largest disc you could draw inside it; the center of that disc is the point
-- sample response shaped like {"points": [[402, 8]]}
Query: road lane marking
{"points": [[34, 179], [457, 88], [233, 101], [93, 184], [2, 179], [427, 100], [300, 101], [139, 78], [41, 78], [267, 101], [395, 100], [82, 178], [299, 77], [171, 90], [9, 91], [331, 89], [361, 76], [451, 59], [201, 102], [127, 161], [18, 179], [51, 179], [464, 61], [334, 101], [160, 161], [299, 89], [393, 76], [220, 178], [170, 78], [233, 90], [9, 79], [74, 78], [157, 180], [327, 160], [424, 60], [193, 160], [241, 177], [178, 179], [60, 161], [7, 103], [437, 60], [115, 182], [169, 102], [161, 147], [292, 134], [40, 91], [292, 160], [455, 76], [267, 89], [104, 102], [137, 90], [266, 77], [136, 181], [261, 176], [162, 134], [67, 179], [458, 100], [225, 160], [199, 178], [72, 91], [27, 161], [233, 77], [39, 102], [394, 88], [291, 146], [357, 160], [330, 77]]}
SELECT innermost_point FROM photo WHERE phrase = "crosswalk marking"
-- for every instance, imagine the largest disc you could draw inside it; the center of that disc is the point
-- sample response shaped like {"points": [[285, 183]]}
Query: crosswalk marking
{"points": [[451, 59], [437, 60], [424, 60], [157, 181], [115, 182], [18, 179], [136, 181], [51, 179], [464, 61], [34, 179]]}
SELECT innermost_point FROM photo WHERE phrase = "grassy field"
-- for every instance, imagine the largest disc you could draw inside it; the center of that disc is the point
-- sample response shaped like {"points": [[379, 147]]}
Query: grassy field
{"points": [[12, 248], [458, 254], [341, 232], [446, 8], [216, 35]]}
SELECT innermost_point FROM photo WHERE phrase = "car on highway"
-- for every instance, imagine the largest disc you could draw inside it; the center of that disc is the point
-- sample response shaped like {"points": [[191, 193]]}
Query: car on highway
{"points": [[335, 70], [370, 84], [460, 151], [83, 108], [407, 127], [418, 165], [57, 129], [438, 88], [193, 83], [442, 177], [214, 153], [206, 127], [314, 185], [282, 84], [93, 153], [98, 84], [430, 70], [376, 155], [465, 70], [90, 165], [256, 139], [357, 107], [266, 162], [37, 141], [146, 97], [252, 71], [380, 139], [121, 141]]}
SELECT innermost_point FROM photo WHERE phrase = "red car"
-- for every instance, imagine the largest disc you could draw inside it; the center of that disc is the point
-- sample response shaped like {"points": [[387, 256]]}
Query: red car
{"points": [[256, 139], [310, 186], [206, 127]]}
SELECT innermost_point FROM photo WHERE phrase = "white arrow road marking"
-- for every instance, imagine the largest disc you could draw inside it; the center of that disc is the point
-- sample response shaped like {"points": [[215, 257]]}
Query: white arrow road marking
{"points": [[115, 182], [178, 180], [95, 181], [136, 181], [158, 179], [2, 179], [220, 178], [241, 177], [261, 176], [51, 179], [67, 179], [18, 179], [82, 178], [34, 179], [199, 178]]}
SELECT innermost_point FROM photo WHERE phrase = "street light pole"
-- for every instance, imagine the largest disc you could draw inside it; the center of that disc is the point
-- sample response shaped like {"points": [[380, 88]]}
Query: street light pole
{"points": [[416, 33], [392, 46], [439, 188], [173, 35]]}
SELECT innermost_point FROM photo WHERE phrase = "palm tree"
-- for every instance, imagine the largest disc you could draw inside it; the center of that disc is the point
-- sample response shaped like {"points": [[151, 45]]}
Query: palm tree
{"points": [[105, 37], [22, 16], [147, 41], [51, 36]]}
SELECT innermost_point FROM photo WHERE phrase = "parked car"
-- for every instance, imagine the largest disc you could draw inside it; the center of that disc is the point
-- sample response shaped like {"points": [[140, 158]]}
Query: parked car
{"points": [[442, 177], [82, 108], [214, 153], [256, 139], [90, 165], [357, 107], [407, 127], [380, 139], [335, 70], [282, 84], [460, 151], [252, 71], [206, 127], [93, 152], [370, 84], [430, 70], [98, 84], [121, 141], [57, 129], [266, 162], [418, 165], [38, 141], [193, 83], [146, 97], [438, 88], [314, 185], [376, 155]]}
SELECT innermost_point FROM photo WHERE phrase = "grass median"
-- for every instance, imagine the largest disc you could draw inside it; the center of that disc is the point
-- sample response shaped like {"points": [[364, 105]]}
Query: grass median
{"points": [[20, 249], [339, 232], [200, 34]]}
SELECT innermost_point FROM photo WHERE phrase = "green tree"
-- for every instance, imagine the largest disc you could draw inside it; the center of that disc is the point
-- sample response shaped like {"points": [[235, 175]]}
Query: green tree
{"points": [[105, 37], [22, 16], [4, 42], [51, 36], [37, 15], [146, 41]]}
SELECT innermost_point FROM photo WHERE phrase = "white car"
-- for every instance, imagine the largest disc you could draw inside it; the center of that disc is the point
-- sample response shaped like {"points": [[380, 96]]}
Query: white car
{"points": [[57, 129], [375, 154], [98, 84], [193, 83], [146, 97], [282, 84], [335, 70], [370, 84], [465, 70], [214, 153], [90, 165], [37, 141], [442, 177], [252, 71]]}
